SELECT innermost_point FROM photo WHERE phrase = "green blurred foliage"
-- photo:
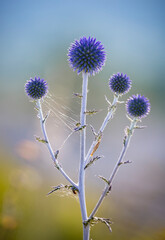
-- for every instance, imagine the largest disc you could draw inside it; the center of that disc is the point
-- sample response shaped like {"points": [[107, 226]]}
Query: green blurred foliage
{"points": [[27, 213]]}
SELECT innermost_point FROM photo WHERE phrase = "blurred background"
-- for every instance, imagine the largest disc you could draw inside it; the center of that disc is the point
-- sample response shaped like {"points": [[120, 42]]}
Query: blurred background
{"points": [[34, 39]]}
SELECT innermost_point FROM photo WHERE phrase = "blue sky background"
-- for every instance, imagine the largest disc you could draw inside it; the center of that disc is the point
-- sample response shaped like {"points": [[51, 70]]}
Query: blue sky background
{"points": [[33, 33]]}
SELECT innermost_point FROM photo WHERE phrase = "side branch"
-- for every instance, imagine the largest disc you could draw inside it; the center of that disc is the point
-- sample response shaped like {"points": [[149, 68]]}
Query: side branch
{"points": [[108, 187], [103, 126], [53, 156]]}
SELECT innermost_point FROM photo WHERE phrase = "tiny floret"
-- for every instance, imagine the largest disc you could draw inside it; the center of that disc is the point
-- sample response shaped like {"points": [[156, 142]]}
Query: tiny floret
{"points": [[120, 83], [138, 106], [36, 88], [86, 55]]}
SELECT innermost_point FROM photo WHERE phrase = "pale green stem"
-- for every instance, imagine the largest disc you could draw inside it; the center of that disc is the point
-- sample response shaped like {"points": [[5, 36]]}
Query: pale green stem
{"points": [[81, 185], [122, 154], [103, 126], [47, 142]]}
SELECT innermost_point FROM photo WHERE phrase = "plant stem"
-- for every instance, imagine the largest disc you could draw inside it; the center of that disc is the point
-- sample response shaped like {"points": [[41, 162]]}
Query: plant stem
{"points": [[82, 157], [104, 124], [119, 162], [43, 128]]}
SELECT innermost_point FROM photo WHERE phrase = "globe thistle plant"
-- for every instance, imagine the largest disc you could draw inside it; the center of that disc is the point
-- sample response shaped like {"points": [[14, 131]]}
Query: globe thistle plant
{"points": [[86, 55], [120, 83], [138, 106], [36, 88]]}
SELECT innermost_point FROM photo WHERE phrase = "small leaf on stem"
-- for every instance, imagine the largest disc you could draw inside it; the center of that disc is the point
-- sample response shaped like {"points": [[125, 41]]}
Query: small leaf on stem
{"points": [[79, 128], [77, 95], [47, 115], [40, 140], [92, 161], [104, 179], [56, 154], [61, 186], [95, 220], [91, 112]]}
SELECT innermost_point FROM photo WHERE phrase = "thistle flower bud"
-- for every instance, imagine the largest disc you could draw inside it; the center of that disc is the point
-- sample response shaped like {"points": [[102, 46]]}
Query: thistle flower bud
{"points": [[120, 83], [86, 55], [138, 106], [36, 88]]}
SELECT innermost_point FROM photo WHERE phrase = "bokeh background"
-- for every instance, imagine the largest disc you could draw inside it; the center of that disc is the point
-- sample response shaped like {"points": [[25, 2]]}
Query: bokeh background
{"points": [[34, 38]]}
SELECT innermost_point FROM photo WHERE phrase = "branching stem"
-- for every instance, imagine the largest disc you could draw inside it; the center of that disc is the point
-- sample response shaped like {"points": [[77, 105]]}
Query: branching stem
{"points": [[122, 154], [104, 124], [43, 128]]}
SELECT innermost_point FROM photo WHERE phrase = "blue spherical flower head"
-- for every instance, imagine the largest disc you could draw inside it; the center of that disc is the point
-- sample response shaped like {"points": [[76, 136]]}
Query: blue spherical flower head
{"points": [[36, 88], [87, 55], [120, 83], [138, 106]]}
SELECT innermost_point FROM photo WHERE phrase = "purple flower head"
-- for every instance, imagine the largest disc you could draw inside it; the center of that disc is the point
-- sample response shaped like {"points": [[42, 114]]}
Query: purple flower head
{"points": [[87, 55], [120, 83], [36, 88], [138, 106]]}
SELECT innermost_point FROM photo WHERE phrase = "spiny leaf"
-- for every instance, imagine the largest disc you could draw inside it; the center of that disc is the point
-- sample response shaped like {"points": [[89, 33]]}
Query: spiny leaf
{"points": [[96, 220], [45, 118], [79, 128], [140, 127], [91, 112], [124, 140], [61, 186], [126, 162], [77, 95], [92, 161], [41, 140], [104, 179], [55, 189], [56, 154], [36, 108]]}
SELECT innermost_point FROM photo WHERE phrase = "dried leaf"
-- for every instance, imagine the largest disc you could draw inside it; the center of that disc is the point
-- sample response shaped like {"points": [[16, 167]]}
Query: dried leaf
{"points": [[97, 144]]}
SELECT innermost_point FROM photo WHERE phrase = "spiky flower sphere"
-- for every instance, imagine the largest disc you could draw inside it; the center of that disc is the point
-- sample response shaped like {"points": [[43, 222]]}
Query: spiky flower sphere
{"points": [[120, 83], [36, 88], [138, 106], [86, 55]]}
